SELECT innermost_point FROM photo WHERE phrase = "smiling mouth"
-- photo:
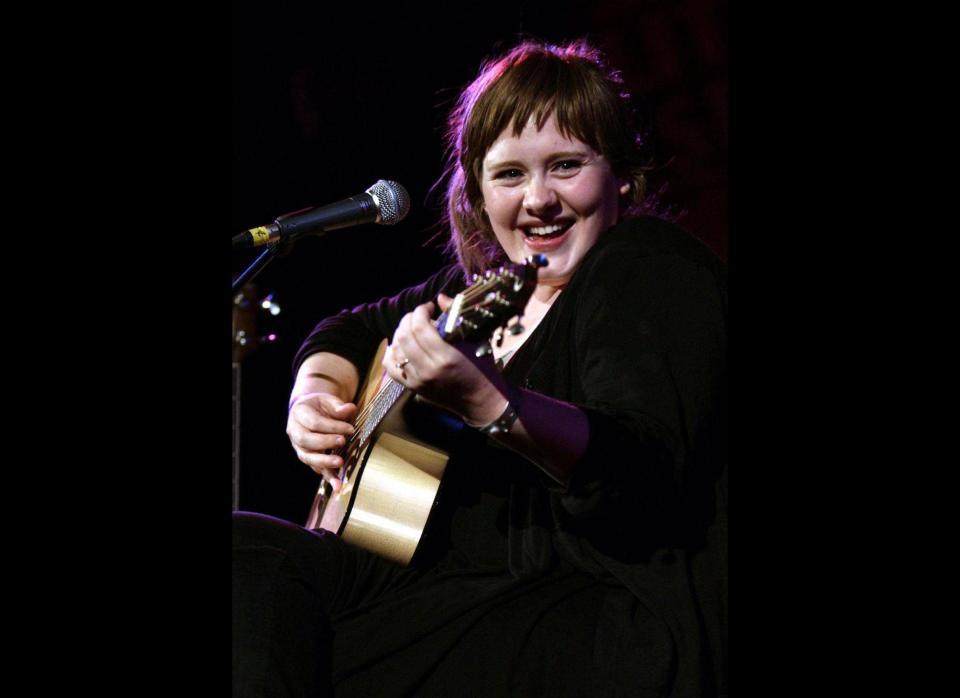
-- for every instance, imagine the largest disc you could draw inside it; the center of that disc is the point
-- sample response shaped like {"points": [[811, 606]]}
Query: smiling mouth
{"points": [[546, 232]]}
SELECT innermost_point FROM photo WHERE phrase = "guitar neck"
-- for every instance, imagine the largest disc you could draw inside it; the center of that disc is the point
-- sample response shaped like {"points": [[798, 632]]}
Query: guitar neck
{"points": [[475, 313], [389, 394]]}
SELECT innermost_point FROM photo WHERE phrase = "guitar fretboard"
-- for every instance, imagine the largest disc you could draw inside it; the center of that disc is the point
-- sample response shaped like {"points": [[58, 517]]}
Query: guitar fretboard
{"points": [[489, 301], [385, 398]]}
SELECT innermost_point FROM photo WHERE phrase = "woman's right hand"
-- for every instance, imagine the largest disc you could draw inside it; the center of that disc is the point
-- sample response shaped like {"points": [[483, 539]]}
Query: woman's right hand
{"points": [[317, 424]]}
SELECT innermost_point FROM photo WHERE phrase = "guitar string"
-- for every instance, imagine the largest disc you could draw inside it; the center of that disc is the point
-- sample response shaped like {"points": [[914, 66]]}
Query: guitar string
{"points": [[376, 402], [381, 401]]}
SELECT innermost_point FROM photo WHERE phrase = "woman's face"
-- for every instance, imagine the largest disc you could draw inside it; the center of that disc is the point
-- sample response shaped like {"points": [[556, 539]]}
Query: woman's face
{"points": [[546, 194]]}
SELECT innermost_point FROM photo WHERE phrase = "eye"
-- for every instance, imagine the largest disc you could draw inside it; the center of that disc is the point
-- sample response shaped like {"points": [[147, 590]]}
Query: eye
{"points": [[511, 173], [568, 165]]}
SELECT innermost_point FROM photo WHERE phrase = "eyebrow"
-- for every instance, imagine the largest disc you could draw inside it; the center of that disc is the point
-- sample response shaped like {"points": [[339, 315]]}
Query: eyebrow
{"points": [[560, 155]]}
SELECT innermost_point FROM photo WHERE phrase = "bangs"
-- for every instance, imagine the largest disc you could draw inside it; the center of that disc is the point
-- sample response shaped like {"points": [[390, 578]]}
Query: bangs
{"points": [[537, 87]]}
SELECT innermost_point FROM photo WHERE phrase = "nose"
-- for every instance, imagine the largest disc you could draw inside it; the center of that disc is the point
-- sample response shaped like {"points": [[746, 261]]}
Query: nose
{"points": [[539, 196]]}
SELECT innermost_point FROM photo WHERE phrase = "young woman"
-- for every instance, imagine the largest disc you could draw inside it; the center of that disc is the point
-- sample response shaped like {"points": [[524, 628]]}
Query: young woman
{"points": [[581, 546]]}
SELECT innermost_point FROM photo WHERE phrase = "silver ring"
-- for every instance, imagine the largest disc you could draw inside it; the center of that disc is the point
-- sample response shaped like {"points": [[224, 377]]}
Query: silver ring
{"points": [[401, 364]]}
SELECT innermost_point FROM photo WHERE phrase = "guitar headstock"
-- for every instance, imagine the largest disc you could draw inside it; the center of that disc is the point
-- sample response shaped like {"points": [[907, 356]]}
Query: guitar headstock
{"points": [[490, 301]]}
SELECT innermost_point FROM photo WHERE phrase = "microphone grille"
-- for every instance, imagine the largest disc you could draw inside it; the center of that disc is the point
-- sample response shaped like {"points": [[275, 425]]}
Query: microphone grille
{"points": [[393, 201]]}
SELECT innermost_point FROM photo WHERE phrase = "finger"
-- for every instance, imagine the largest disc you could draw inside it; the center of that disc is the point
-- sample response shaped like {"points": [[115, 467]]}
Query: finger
{"points": [[394, 362], [395, 349], [425, 334], [407, 349], [393, 355], [410, 355], [309, 419], [327, 403], [319, 462], [318, 443], [336, 407], [444, 301], [397, 370], [329, 475], [332, 477]]}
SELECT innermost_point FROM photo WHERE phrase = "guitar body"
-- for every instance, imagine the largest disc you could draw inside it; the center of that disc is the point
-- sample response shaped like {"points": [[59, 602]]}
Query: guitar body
{"points": [[390, 485]]}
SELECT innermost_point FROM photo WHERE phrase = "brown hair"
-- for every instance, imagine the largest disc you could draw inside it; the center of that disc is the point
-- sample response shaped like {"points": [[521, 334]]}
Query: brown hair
{"points": [[534, 79]]}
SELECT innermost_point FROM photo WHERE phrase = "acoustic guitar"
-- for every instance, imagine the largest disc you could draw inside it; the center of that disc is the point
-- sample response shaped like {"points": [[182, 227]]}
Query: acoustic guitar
{"points": [[394, 461]]}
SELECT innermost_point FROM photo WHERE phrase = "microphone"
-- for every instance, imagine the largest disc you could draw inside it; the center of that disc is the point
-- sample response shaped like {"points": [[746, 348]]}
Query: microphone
{"points": [[385, 203]]}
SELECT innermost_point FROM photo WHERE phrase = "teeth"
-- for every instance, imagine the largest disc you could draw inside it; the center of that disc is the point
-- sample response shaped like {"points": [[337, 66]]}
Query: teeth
{"points": [[545, 230]]}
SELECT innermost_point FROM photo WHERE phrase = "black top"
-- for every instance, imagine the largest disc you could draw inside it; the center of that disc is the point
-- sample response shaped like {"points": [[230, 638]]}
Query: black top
{"points": [[637, 340]]}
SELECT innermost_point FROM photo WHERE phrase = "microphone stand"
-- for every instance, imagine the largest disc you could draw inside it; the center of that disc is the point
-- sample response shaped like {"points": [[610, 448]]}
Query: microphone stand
{"points": [[258, 264], [246, 275], [269, 253]]}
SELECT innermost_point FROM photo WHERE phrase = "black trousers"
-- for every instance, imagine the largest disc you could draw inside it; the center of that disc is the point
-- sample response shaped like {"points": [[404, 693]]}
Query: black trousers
{"points": [[436, 632], [287, 585]]}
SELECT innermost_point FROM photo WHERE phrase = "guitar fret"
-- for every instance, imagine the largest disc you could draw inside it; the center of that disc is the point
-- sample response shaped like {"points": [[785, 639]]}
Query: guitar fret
{"points": [[384, 400]]}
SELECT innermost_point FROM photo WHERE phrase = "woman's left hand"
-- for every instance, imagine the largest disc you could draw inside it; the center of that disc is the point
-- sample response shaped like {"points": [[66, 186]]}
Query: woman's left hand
{"points": [[447, 375]]}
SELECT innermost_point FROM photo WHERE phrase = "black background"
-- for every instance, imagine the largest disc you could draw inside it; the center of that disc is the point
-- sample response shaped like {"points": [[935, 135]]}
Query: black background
{"points": [[161, 132]]}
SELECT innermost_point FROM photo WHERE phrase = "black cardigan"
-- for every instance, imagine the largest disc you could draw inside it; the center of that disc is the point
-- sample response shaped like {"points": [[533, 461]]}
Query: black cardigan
{"points": [[637, 340]]}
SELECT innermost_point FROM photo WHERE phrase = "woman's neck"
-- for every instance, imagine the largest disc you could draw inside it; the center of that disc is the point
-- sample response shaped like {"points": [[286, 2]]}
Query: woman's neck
{"points": [[544, 294]]}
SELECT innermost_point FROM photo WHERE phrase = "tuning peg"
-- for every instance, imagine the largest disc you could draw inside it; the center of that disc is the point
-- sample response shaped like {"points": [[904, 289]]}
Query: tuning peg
{"points": [[267, 338], [483, 350], [537, 260]]}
